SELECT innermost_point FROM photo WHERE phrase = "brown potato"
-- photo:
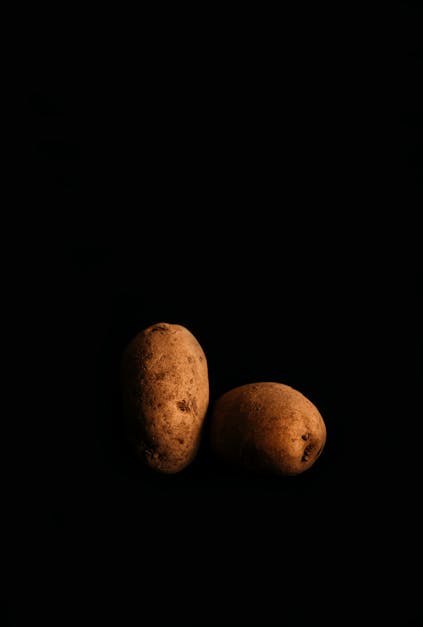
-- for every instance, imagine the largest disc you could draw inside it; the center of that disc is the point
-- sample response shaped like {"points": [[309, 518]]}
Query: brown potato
{"points": [[267, 426], [165, 395]]}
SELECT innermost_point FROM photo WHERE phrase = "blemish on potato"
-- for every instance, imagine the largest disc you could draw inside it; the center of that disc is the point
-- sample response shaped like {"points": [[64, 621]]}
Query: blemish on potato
{"points": [[307, 452]]}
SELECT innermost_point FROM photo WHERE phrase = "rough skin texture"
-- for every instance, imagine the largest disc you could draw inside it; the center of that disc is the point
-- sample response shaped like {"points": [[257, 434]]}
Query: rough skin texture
{"points": [[267, 427], [165, 395]]}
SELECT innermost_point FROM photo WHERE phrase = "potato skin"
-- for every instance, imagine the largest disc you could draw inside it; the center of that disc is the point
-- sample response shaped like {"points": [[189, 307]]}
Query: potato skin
{"points": [[165, 395], [267, 427]]}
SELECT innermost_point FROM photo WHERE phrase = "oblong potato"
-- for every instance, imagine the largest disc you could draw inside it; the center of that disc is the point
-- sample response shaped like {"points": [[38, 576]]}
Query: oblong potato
{"points": [[165, 395], [267, 426]]}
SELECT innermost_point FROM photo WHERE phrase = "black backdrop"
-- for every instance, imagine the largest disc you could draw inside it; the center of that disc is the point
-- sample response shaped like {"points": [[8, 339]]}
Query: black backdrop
{"points": [[247, 200]]}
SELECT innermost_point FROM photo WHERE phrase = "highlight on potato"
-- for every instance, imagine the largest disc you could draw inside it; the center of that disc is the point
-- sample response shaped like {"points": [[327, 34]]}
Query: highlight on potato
{"points": [[165, 389], [267, 427]]}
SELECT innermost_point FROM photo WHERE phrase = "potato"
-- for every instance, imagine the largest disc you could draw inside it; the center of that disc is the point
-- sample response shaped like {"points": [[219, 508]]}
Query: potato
{"points": [[267, 427], [165, 395]]}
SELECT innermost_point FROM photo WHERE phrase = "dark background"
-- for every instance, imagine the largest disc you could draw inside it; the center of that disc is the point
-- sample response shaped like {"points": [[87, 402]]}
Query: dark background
{"points": [[261, 192]]}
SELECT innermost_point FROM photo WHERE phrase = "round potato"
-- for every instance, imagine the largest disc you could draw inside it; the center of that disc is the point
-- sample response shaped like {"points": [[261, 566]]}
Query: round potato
{"points": [[165, 395], [267, 427]]}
